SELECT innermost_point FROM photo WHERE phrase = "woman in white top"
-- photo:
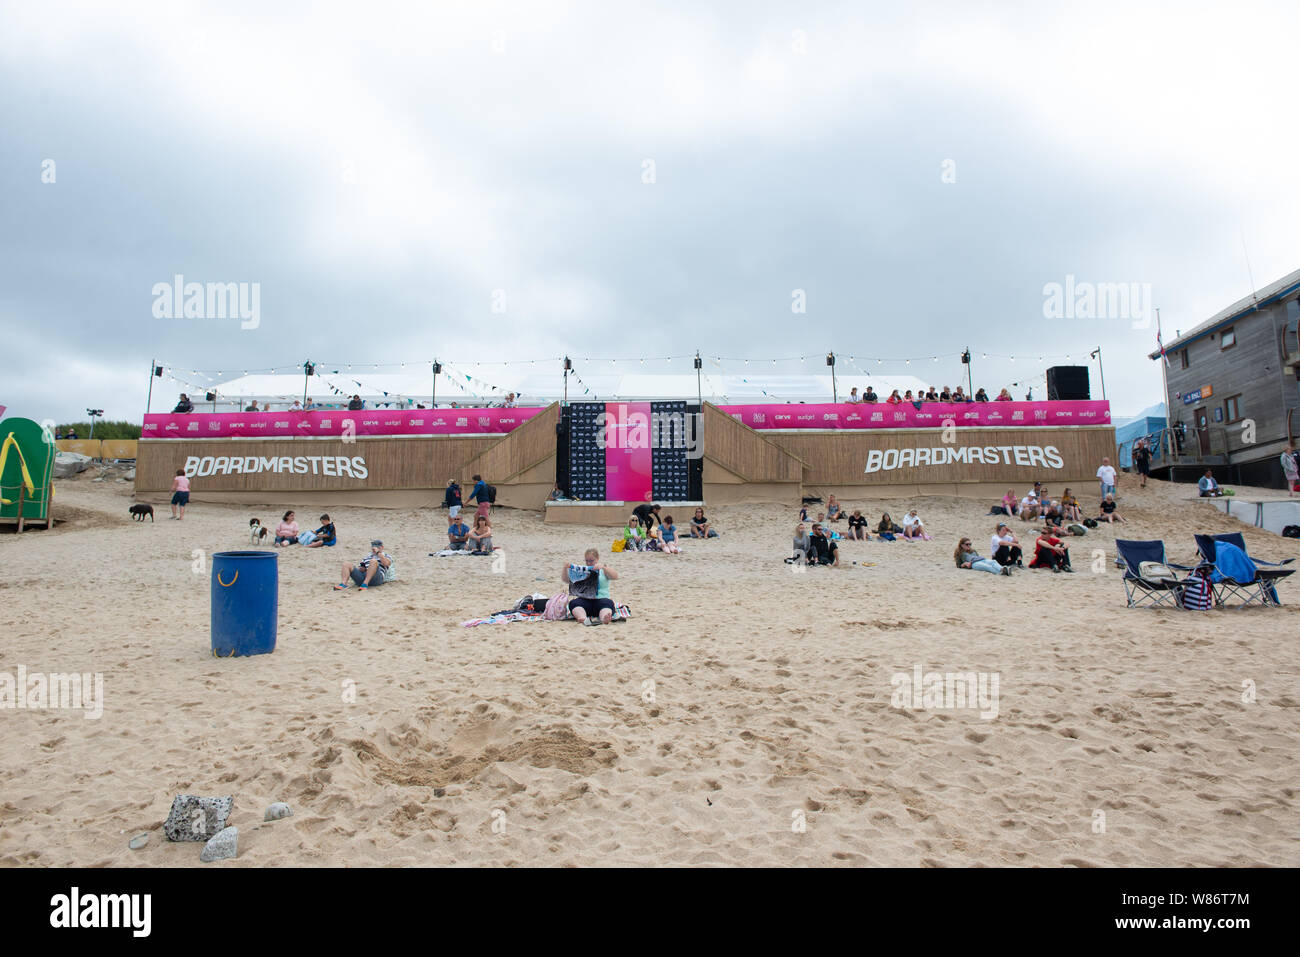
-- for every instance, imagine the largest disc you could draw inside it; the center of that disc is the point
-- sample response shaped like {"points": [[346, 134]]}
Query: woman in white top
{"points": [[1005, 547], [913, 527]]}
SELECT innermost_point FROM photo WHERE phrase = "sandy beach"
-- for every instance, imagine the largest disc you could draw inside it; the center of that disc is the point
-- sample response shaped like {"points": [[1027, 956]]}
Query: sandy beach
{"points": [[741, 717]]}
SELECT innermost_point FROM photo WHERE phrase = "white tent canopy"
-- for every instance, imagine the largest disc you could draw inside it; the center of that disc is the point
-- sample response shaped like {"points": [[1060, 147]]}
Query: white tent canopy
{"points": [[533, 388]]}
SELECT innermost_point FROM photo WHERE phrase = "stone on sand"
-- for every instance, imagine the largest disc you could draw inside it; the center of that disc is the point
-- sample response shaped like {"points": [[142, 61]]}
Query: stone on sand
{"points": [[223, 846], [196, 818], [277, 811]]}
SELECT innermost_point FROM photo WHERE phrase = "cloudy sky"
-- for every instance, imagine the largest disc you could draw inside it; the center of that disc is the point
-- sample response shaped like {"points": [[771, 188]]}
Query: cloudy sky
{"points": [[630, 180]]}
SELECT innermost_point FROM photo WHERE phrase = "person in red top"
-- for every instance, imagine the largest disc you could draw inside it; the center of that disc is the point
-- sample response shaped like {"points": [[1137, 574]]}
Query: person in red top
{"points": [[1051, 552]]}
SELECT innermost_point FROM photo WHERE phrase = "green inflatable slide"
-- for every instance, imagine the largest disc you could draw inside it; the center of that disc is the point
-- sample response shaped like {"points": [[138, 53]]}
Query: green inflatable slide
{"points": [[26, 473]]}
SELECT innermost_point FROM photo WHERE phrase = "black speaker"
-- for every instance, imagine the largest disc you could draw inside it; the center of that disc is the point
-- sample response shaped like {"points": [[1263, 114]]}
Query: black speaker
{"points": [[1068, 383]]}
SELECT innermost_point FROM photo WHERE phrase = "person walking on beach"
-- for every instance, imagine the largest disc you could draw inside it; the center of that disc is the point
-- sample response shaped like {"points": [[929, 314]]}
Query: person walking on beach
{"points": [[1142, 461], [1106, 475], [480, 495], [180, 494], [1291, 470]]}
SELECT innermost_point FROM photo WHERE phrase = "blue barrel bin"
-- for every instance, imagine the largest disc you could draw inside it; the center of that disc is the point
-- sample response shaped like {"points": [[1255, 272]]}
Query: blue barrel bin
{"points": [[245, 603]]}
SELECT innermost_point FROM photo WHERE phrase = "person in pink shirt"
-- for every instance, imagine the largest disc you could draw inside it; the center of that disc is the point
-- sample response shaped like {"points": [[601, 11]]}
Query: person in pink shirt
{"points": [[286, 533], [180, 494]]}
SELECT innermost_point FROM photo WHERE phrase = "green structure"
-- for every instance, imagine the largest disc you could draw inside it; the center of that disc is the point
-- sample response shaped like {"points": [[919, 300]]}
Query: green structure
{"points": [[26, 473]]}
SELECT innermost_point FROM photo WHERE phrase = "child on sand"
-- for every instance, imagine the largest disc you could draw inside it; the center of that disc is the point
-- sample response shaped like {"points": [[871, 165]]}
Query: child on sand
{"points": [[180, 494]]}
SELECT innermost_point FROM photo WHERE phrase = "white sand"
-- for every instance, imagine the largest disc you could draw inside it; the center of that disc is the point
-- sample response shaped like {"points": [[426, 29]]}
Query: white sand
{"points": [[771, 701]]}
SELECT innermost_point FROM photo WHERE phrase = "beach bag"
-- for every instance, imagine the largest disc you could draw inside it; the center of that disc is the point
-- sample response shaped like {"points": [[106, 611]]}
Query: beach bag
{"points": [[1291, 531], [1090, 522], [619, 545], [998, 510], [557, 609], [1156, 571], [306, 538], [1196, 594], [492, 494]]}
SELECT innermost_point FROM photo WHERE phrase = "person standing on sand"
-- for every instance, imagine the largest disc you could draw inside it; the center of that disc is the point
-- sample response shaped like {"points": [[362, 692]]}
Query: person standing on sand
{"points": [[1106, 475], [1142, 460], [180, 494], [1291, 470]]}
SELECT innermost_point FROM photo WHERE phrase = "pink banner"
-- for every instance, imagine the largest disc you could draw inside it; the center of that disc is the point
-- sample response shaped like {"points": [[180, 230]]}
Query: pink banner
{"points": [[931, 415], [627, 468], [333, 423]]}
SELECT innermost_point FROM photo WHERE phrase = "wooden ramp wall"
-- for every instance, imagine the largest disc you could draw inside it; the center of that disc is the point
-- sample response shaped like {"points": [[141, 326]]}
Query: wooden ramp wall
{"points": [[521, 464], [741, 465]]}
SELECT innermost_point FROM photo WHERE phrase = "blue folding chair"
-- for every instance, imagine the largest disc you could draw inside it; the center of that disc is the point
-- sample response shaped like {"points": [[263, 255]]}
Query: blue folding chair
{"points": [[1141, 590], [1244, 580]]}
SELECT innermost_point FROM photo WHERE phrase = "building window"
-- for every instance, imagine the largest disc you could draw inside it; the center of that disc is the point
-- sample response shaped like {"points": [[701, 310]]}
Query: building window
{"points": [[1184, 355], [1232, 408], [1227, 338]]}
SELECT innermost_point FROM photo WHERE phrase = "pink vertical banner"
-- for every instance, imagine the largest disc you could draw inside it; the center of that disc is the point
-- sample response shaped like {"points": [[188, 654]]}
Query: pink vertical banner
{"points": [[628, 462]]}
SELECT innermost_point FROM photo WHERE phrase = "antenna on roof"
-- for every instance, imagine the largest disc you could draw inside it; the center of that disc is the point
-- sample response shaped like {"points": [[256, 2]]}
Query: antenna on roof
{"points": [[1249, 272]]}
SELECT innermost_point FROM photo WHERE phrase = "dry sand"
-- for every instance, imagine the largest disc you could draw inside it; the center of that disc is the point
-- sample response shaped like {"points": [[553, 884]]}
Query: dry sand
{"points": [[771, 701]]}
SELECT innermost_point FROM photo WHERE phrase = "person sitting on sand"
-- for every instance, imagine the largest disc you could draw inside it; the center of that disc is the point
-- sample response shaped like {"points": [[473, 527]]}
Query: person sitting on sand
{"points": [[480, 536], [633, 535], [668, 536], [858, 526], [965, 556], [834, 512], [824, 548], [1029, 506], [1010, 504], [373, 570], [914, 528], [588, 583], [457, 534], [803, 546], [886, 528], [1208, 486], [286, 533], [700, 526], [325, 536], [1051, 552], [1070, 507], [1108, 513], [1006, 547]]}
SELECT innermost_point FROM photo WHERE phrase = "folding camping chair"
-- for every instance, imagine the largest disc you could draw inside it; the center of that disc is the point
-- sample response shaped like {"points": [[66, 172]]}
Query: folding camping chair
{"points": [[1257, 590], [1138, 588]]}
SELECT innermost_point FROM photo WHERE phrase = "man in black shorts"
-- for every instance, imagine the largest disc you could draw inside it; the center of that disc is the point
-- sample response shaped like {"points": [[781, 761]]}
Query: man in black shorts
{"points": [[825, 551], [1142, 459]]}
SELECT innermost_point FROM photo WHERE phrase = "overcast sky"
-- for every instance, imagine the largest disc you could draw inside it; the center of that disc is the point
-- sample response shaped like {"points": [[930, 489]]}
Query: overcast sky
{"points": [[381, 171]]}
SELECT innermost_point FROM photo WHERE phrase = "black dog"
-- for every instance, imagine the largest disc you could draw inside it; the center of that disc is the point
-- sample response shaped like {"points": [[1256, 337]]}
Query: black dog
{"points": [[138, 512]]}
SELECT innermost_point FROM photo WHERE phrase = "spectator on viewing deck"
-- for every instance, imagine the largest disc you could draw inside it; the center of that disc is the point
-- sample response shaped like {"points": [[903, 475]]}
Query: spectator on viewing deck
{"points": [[834, 512], [647, 515], [981, 395], [824, 547], [869, 395], [286, 533], [965, 556], [457, 534], [1051, 552], [945, 395], [1005, 546], [311, 406], [296, 407], [1142, 460], [1106, 475], [1290, 469], [1107, 512], [183, 406], [913, 527], [451, 498], [510, 401], [668, 536], [1029, 396], [931, 395], [324, 537], [959, 396], [355, 404], [853, 395], [588, 584], [908, 397], [1004, 396], [700, 526], [858, 526], [1070, 507], [894, 398], [480, 536], [480, 495], [252, 407], [1208, 486], [180, 494], [373, 570]]}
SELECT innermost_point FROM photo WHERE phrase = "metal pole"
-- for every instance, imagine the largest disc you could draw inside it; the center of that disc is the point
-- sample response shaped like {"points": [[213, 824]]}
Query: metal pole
{"points": [[434, 401], [1101, 369], [149, 401], [699, 389], [970, 380]]}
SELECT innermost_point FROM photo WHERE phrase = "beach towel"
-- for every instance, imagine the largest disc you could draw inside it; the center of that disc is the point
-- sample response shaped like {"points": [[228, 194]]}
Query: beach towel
{"points": [[1231, 562], [578, 572], [501, 618], [448, 552]]}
